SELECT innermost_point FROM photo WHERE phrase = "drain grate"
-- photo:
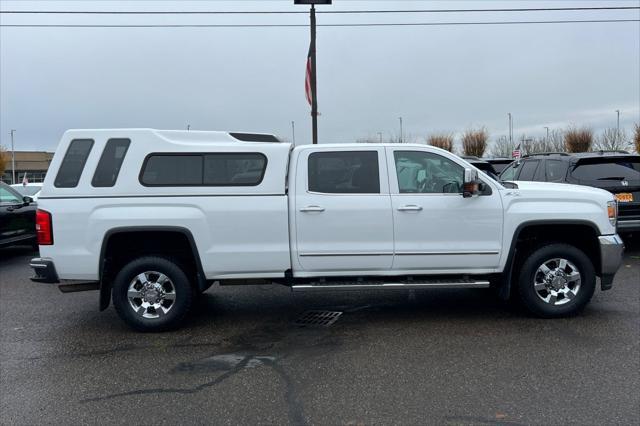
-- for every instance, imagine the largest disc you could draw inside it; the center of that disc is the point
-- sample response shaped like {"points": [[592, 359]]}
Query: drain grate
{"points": [[318, 318]]}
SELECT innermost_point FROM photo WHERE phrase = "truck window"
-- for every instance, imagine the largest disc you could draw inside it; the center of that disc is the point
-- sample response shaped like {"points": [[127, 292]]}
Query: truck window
{"points": [[528, 170], [73, 163], [110, 163], [427, 173], [234, 169], [204, 169], [172, 170], [344, 172]]}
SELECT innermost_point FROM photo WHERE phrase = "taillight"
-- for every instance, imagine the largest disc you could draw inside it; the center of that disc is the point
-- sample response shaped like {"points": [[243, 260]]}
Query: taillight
{"points": [[44, 228]]}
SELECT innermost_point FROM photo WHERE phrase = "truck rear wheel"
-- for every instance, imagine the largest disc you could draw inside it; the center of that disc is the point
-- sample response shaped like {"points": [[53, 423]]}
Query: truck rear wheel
{"points": [[152, 294], [556, 280]]}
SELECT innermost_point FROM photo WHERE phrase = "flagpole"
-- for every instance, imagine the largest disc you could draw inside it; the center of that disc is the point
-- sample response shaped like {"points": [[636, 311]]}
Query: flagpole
{"points": [[314, 95]]}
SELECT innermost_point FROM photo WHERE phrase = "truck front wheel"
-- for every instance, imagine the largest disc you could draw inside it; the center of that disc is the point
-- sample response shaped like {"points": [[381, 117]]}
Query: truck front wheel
{"points": [[152, 294], [556, 280]]}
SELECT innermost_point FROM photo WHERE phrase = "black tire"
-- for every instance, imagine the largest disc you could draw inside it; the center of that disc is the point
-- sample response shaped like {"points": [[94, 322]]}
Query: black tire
{"points": [[532, 300], [178, 308]]}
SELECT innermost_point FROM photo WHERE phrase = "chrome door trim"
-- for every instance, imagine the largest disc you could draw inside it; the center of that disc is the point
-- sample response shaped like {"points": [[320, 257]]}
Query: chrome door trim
{"points": [[347, 254], [445, 253]]}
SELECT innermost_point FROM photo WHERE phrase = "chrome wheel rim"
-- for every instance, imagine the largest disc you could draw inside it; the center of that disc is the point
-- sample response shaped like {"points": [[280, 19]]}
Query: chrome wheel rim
{"points": [[151, 294], [557, 281]]}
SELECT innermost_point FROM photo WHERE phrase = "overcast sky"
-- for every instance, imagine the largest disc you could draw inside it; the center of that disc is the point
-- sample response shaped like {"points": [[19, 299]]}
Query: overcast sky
{"points": [[445, 78]]}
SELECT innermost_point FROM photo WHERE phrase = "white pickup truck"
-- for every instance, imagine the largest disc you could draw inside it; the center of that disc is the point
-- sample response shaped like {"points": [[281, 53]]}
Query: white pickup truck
{"points": [[152, 218]]}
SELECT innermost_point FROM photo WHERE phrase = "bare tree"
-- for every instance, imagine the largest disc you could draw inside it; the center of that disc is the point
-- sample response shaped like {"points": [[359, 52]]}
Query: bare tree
{"points": [[636, 137], [612, 140], [441, 140], [474, 142], [501, 147]]}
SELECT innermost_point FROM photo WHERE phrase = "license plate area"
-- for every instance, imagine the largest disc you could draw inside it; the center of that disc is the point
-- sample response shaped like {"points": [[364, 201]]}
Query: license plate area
{"points": [[624, 197]]}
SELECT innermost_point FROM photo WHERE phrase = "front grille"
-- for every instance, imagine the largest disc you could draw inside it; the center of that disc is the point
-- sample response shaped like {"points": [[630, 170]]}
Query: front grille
{"points": [[629, 210]]}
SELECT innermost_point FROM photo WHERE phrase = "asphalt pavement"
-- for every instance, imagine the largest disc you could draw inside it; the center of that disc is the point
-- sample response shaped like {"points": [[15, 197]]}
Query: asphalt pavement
{"points": [[422, 357]]}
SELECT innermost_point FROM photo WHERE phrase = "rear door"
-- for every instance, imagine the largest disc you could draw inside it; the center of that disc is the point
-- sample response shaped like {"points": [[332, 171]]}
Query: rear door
{"points": [[436, 229], [343, 221]]}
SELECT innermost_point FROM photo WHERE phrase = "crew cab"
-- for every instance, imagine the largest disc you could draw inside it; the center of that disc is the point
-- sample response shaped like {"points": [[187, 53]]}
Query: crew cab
{"points": [[152, 218]]}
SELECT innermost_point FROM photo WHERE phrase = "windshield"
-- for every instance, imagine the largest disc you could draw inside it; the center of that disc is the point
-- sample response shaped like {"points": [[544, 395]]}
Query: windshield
{"points": [[28, 190], [614, 169]]}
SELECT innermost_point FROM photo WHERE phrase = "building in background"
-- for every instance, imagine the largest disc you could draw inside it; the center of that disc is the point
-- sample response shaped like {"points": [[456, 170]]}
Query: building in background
{"points": [[32, 163]]}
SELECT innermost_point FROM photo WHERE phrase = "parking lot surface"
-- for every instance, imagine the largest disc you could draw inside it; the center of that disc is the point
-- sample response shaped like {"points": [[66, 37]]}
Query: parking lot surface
{"points": [[445, 357]]}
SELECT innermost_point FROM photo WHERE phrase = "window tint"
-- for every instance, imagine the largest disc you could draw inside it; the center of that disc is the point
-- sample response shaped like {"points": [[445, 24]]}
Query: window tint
{"points": [[110, 162], [7, 196], [172, 170], [510, 172], [528, 170], [220, 169], [344, 172], [234, 169], [610, 169], [555, 170], [73, 163], [425, 172]]}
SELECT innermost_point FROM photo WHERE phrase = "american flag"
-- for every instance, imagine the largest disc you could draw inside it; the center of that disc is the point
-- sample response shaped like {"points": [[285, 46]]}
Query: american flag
{"points": [[307, 79], [25, 181], [516, 154]]}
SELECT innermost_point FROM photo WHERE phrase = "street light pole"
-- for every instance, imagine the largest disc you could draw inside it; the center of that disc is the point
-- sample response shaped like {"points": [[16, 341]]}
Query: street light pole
{"points": [[618, 126], [547, 133], [13, 160], [400, 118], [380, 136], [293, 131], [510, 129]]}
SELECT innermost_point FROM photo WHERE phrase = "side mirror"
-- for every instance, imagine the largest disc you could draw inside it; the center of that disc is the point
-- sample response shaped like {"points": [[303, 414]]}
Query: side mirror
{"points": [[27, 200], [471, 185]]}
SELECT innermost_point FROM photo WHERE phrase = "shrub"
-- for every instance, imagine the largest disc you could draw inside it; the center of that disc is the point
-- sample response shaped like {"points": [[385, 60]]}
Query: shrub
{"points": [[3, 160], [441, 140], [474, 142], [578, 139]]}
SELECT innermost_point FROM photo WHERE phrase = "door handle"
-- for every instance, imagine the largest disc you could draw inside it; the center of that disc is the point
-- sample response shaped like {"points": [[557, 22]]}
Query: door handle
{"points": [[312, 209], [410, 208]]}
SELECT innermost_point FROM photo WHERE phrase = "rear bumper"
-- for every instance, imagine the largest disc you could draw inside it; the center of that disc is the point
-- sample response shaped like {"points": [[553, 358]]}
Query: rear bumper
{"points": [[44, 270], [611, 251], [628, 225]]}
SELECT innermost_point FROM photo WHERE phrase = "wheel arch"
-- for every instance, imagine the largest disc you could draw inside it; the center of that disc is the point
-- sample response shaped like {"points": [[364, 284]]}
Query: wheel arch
{"points": [[568, 226], [105, 275]]}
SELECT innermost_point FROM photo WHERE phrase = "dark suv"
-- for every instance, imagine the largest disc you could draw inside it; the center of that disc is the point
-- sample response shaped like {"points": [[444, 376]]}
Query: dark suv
{"points": [[616, 171]]}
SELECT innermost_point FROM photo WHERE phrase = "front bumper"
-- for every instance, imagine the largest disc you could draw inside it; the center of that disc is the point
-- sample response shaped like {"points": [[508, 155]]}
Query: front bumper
{"points": [[45, 271], [611, 251]]}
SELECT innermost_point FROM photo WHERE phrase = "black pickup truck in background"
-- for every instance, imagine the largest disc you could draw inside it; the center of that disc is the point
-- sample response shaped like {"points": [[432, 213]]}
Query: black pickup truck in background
{"points": [[17, 218]]}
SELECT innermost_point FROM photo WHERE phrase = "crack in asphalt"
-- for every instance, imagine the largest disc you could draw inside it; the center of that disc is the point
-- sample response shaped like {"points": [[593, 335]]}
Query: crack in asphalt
{"points": [[294, 405]]}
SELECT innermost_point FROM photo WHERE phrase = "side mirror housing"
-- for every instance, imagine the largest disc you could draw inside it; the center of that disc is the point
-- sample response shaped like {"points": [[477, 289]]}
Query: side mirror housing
{"points": [[27, 200], [471, 185]]}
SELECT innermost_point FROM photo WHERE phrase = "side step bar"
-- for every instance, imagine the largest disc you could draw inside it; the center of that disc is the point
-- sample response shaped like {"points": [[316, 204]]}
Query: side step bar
{"points": [[382, 285]]}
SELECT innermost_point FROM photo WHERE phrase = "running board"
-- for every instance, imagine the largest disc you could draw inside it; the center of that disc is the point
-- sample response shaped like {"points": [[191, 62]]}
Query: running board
{"points": [[382, 285]]}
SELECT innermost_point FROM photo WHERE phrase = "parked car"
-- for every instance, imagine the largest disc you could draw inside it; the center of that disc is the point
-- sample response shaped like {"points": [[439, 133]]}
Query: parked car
{"points": [[152, 218], [29, 190], [499, 163], [617, 172], [483, 165], [17, 218]]}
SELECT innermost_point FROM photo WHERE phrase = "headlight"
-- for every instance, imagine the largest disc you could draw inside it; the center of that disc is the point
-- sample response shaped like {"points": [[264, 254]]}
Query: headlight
{"points": [[612, 211]]}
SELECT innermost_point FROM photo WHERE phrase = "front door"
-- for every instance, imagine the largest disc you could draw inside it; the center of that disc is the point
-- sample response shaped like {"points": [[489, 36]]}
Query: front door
{"points": [[343, 220], [436, 229]]}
